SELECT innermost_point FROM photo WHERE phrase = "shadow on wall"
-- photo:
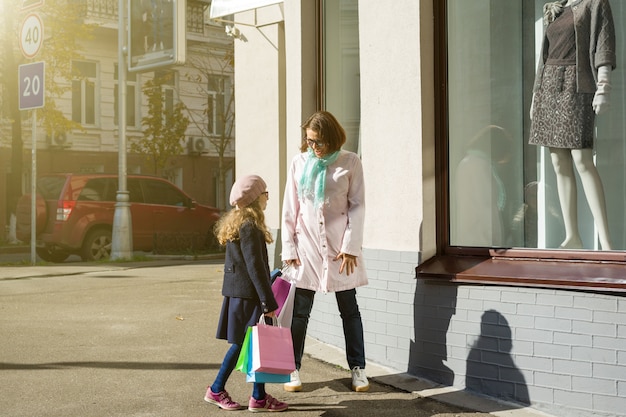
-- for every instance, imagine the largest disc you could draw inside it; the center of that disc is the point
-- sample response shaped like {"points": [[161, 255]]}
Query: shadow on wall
{"points": [[490, 368], [433, 308]]}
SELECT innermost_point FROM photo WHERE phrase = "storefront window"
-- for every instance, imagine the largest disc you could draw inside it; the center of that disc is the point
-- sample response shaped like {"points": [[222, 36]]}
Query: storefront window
{"points": [[340, 73], [503, 191]]}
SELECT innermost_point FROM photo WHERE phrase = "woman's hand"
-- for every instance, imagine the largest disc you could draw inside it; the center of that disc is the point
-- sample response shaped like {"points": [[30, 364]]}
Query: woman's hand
{"points": [[293, 262], [348, 262]]}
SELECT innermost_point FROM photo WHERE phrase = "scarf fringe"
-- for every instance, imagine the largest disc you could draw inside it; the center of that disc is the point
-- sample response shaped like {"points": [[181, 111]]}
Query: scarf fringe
{"points": [[313, 180]]}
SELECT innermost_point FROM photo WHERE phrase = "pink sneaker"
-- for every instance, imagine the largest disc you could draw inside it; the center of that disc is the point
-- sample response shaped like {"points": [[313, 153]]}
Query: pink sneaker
{"points": [[268, 404], [221, 399]]}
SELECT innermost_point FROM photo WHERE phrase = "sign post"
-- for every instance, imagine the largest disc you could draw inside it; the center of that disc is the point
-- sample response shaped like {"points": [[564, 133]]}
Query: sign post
{"points": [[31, 90], [156, 39], [122, 236]]}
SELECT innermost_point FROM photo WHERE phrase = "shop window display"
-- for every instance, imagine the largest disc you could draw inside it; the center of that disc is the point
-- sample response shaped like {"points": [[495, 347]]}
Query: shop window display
{"points": [[536, 126]]}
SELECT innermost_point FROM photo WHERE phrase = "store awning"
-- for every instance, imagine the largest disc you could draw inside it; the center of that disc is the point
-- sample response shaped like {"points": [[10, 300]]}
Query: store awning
{"points": [[221, 8]]}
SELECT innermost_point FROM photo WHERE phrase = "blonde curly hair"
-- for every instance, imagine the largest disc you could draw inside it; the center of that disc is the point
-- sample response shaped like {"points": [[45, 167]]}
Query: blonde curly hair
{"points": [[228, 226]]}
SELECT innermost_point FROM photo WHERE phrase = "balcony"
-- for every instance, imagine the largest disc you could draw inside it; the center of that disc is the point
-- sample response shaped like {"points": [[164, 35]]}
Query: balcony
{"points": [[105, 11]]}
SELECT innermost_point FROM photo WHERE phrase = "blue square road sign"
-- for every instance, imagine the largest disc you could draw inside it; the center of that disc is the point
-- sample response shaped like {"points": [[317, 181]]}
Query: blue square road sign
{"points": [[31, 82]]}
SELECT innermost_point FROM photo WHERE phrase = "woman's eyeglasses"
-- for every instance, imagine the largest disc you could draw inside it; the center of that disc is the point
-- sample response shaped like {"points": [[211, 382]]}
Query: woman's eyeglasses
{"points": [[315, 143]]}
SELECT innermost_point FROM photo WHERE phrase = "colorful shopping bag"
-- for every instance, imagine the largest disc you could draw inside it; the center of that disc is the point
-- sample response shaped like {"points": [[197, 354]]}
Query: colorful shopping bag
{"points": [[267, 378], [244, 363], [284, 289], [280, 288], [245, 356], [285, 314], [272, 349]]}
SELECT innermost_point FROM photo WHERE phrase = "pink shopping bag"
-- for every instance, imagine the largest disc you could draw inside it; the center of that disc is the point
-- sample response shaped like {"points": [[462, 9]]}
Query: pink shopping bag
{"points": [[284, 289], [280, 288], [272, 349], [286, 312]]}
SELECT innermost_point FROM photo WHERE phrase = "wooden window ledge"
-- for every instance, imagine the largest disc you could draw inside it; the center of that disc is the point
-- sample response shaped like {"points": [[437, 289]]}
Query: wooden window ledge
{"points": [[564, 274]]}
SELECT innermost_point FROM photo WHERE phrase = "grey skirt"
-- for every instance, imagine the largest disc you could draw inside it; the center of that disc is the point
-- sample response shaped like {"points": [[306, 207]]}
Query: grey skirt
{"points": [[562, 118]]}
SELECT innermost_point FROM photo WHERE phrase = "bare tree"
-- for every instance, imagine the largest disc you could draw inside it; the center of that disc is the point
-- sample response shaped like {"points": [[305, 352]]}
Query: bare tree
{"points": [[213, 79], [164, 125]]}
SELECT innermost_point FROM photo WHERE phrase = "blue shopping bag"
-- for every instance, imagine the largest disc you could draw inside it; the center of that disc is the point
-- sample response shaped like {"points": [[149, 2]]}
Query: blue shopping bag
{"points": [[265, 377]]}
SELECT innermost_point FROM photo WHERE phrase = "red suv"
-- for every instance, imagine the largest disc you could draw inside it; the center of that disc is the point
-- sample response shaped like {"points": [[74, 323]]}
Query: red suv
{"points": [[75, 216]]}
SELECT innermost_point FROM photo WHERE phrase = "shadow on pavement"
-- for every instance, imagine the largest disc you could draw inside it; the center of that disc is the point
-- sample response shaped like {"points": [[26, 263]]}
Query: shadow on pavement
{"points": [[108, 365]]}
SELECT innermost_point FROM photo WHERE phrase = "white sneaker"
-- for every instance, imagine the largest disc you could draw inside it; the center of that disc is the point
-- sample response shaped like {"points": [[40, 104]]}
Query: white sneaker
{"points": [[359, 380], [295, 385]]}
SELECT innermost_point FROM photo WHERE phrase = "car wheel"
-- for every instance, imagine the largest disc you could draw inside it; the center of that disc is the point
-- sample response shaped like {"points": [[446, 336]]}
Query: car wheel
{"points": [[97, 245], [52, 255]]}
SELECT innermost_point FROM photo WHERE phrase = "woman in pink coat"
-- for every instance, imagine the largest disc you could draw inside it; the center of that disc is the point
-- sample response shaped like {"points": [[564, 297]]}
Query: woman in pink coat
{"points": [[323, 216]]}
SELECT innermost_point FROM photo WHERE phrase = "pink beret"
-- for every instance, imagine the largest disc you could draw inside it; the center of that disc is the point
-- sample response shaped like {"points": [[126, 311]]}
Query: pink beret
{"points": [[246, 189]]}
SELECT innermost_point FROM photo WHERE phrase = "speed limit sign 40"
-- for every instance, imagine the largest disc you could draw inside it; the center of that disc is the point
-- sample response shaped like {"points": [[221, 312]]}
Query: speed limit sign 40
{"points": [[31, 35]]}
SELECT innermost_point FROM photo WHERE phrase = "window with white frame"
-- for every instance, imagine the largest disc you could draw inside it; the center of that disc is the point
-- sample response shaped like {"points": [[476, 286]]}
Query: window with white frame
{"points": [[167, 80], [217, 112], [84, 91]]}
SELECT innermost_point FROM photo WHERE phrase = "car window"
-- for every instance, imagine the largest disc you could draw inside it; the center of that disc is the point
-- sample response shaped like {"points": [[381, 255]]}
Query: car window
{"points": [[159, 192], [50, 187], [99, 189], [134, 189]]}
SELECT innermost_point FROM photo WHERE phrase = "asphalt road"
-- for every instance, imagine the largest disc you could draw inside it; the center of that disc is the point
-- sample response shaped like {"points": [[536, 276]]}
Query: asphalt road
{"points": [[137, 339]]}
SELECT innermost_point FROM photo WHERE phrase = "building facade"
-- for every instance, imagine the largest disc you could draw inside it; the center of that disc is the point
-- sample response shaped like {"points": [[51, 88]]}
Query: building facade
{"points": [[468, 286], [204, 84]]}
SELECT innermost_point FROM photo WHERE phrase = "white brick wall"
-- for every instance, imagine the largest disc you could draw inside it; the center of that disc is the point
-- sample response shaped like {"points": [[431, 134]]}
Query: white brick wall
{"points": [[565, 350]]}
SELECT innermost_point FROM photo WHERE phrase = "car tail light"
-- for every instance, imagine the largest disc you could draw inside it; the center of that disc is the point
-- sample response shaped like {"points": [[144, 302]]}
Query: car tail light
{"points": [[64, 209]]}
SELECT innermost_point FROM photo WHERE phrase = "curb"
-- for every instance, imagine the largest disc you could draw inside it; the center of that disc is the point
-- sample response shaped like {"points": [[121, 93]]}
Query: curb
{"points": [[12, 249], [15, 249]]}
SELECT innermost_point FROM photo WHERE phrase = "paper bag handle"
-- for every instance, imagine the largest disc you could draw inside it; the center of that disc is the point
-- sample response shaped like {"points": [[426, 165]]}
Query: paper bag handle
{"points": [[263, 318]]}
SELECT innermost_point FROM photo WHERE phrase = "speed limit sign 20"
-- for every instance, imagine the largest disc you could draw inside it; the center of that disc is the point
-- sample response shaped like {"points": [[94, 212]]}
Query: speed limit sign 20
{"points": [[32, 85]]}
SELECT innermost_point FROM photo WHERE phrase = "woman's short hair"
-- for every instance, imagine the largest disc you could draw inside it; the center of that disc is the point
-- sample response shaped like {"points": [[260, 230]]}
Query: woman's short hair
{"points": [[328, 131]]}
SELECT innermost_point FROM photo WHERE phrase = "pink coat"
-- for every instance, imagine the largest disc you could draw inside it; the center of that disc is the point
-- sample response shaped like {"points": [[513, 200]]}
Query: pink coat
{"points": [[316, 236]]}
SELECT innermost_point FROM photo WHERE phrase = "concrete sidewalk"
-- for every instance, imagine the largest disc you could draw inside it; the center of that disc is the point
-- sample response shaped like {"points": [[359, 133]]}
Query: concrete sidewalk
{"points": [[137, 339]]}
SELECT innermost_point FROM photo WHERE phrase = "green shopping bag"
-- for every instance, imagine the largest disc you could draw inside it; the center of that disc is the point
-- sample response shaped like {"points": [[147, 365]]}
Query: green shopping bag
{"points": [[245, 356]]}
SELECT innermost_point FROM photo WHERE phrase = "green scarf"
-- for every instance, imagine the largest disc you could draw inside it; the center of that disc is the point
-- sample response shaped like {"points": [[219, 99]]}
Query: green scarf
{"points": [[313, 179]]}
